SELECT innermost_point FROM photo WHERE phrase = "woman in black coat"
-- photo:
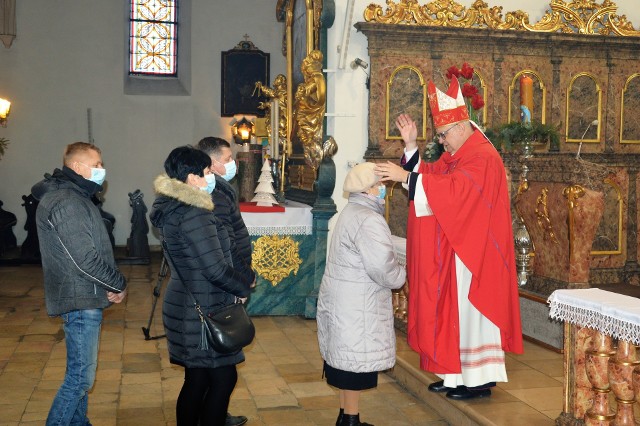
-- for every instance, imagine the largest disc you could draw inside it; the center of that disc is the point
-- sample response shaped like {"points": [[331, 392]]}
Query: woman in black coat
{"points": [[183, 212]]}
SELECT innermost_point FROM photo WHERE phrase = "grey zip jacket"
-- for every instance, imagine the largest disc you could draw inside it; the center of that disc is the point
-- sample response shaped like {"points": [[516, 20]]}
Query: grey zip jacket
{"points": [[355, 313], [77, 257]]}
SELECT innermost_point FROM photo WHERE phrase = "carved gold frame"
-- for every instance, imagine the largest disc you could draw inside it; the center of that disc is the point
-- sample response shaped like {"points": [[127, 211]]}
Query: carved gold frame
{"points": [[575, 17], [620, 209], [626, 84], [424, 103], [599, 127], [483, 86], [542, 87]]}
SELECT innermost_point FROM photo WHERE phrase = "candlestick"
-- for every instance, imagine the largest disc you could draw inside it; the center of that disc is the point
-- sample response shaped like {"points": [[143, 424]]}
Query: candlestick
{"points": [[526, 99], [276, 127]]}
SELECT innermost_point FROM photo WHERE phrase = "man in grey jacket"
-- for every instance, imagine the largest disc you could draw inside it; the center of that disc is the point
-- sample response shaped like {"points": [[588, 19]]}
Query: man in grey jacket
{"points": [[80, 274]]}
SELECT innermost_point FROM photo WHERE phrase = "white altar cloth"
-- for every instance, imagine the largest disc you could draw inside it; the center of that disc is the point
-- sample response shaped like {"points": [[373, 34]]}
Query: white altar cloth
{"points": [[295, 220], [610, 313]]}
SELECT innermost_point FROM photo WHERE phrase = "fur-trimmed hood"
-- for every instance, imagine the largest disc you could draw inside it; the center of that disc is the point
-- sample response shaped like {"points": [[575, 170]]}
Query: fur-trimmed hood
{"points": [[173, 194]]}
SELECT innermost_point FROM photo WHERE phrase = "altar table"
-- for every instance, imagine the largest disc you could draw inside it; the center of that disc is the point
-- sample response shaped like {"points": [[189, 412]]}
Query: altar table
{"points": [[595, 368], [283, 247]]}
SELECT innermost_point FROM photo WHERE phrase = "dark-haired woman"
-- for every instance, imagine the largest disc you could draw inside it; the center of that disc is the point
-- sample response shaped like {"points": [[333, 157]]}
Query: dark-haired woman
{"points": [[183, 212]]}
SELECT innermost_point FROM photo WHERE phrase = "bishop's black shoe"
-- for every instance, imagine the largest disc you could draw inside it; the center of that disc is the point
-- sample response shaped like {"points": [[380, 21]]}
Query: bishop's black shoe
{"points": [[464, 393], [438, 387]]}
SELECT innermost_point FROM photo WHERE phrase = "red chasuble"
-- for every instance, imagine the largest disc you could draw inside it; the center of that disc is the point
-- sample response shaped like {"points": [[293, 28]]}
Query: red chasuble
{"points": [[469, 198]]}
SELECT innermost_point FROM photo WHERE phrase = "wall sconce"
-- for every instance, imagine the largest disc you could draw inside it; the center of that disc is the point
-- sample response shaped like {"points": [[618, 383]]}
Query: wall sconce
{"points": [[5, 107], [363, 65], [242, 131]]}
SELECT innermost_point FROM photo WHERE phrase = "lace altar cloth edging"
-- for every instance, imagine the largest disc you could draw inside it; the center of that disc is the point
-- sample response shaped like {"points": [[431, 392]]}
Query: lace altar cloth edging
{"points": [[610, 313], [296, 219]]}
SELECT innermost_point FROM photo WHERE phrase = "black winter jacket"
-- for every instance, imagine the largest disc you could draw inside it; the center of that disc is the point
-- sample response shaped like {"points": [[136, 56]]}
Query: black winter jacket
{"points": [[77, 256], [201, 251], [228, 214]]}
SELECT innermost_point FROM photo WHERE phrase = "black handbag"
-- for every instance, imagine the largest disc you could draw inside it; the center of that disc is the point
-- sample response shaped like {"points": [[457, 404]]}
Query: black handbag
{"points": [[227, 330]]}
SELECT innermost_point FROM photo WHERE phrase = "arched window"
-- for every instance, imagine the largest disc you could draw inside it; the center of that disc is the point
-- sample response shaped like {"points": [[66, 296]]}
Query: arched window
{"points": [[153, 37]]}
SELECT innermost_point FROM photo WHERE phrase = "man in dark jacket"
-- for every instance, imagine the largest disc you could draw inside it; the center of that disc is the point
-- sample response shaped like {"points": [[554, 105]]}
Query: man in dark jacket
{"points": [[80, 274], [227, 212]]}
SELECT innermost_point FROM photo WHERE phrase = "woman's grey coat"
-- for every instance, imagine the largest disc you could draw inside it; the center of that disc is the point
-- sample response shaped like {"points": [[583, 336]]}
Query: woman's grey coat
{"points": [[355, 313]]}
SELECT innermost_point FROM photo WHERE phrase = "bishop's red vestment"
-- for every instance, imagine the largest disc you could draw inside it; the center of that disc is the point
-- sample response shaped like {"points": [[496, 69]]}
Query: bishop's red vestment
{"points": [[468, 195]]}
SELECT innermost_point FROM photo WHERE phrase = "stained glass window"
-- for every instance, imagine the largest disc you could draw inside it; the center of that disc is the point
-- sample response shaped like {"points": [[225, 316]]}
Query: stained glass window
{"points": [[153, 37]]}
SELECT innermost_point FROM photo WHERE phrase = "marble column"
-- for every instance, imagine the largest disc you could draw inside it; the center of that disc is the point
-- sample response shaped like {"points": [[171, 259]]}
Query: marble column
{"points": [[498, 107], [609, 113], [556, 99]]}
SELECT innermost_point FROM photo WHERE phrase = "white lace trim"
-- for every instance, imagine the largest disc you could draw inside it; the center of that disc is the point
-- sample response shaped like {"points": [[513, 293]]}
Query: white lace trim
{"points": [[612, 314], [280, 230]]}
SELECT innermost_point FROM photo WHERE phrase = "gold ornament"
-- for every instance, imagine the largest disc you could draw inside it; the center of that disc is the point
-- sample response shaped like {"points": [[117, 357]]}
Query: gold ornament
{"points": [[575, 17], [274, 258], [542, 215]]}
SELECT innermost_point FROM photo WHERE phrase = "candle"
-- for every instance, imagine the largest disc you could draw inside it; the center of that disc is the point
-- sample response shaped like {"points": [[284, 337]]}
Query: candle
{"points": [[273, 128], [526, 99], [276, 127]]}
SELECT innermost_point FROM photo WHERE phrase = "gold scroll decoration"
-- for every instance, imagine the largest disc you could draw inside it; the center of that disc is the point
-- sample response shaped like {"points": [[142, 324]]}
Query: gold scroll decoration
{"points": [[275, 257], [575, 17], [310, 105], [542, 215], [572, 193]]}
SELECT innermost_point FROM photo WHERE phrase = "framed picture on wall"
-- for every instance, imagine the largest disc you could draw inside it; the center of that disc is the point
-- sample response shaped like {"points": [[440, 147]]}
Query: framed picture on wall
{"points": [[242, 67]]}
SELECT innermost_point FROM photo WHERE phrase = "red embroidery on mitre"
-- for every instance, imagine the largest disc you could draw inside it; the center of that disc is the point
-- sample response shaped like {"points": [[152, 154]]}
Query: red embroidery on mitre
{"points": [[447, 108]]}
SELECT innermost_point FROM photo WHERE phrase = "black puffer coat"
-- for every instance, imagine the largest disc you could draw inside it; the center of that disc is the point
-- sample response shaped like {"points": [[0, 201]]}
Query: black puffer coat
{"points": [[184, 216], [228, 214]]}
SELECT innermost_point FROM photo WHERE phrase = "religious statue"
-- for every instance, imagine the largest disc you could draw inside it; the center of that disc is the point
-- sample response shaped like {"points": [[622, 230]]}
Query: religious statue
{"points": [[137, 243], [310, 104], [277, 92]]}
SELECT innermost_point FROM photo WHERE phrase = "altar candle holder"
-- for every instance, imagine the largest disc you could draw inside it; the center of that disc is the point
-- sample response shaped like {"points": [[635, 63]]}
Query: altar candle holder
{"points": [[597, 366]]}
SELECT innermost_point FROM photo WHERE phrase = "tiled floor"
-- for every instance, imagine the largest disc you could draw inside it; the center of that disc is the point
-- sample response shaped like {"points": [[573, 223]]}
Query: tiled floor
{"points": [[279, 384]]}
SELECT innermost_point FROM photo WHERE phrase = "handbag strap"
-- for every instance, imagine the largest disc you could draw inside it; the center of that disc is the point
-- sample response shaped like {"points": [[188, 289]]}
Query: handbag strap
{"points": [[165, 250]]}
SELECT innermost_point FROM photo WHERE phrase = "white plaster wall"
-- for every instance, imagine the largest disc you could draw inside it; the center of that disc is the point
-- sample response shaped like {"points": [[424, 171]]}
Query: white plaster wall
{"points": [[346, 88], [68, 56]]}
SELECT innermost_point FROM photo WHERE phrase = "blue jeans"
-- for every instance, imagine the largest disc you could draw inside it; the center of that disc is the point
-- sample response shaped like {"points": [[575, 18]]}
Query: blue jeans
{"points": [[82, 335]]}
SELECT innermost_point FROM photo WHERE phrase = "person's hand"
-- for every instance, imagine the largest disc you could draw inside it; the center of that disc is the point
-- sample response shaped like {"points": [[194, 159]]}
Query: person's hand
{"points": [[391, 172], [242, 299], [117, 297], [408, 131]]}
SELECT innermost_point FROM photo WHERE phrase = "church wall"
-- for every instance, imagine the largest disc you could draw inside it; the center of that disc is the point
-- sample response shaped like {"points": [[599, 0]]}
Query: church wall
{"points": [[69, 56]]}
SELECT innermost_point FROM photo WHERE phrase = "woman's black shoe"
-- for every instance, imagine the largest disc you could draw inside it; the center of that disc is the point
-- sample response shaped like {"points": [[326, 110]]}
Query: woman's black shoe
{"points": [[438, 387], [352, 420], [339, 420]]}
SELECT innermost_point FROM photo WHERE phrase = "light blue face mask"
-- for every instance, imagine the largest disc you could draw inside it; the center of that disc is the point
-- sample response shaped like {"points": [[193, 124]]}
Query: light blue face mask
{"points": [[382, 191], [97, 175], [230, 170], [211, 183]]}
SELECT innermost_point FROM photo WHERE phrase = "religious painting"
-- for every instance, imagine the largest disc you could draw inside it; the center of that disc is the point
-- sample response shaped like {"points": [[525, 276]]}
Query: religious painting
{"points": [[584, 98], [242, 67], [629, 123], [406, 94]]}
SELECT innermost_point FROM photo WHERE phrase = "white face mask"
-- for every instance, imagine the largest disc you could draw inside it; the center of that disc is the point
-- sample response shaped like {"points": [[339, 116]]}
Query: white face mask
{"points": [[211, 183], [230, 170], [97, 175]]}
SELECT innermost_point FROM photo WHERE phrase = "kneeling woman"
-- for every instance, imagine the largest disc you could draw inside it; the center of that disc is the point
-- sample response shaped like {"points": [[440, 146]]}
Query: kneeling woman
{"points": [[355, 313], [183, 212]]}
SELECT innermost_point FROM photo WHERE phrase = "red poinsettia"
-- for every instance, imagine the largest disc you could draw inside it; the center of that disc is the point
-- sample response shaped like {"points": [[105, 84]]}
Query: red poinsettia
{"points": [[468, 90], [453, 71], [466, 71], [477, 101], [472, 96]]}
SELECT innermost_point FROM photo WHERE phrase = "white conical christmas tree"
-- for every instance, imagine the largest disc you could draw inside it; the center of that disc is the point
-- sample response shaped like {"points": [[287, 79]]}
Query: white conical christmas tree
{"points": [[264, 190]]}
